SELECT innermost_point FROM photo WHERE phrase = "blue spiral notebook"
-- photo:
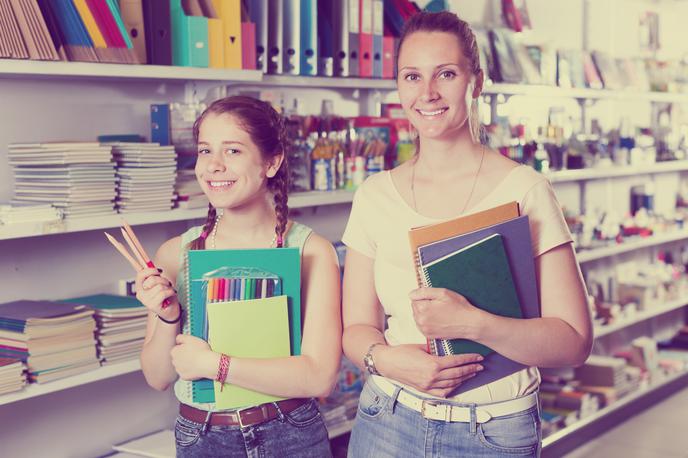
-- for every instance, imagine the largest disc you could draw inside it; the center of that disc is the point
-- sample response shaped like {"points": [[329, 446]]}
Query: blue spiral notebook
{"points": [[283, 262]]}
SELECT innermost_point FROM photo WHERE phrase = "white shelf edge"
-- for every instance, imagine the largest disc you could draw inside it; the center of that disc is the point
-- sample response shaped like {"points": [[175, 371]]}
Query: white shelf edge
{"points": [[24, 68], [582, 93], [341, 429], [639, 317], [564, 176], [38, 389], [329, 82], [554, 437], [296, 200], [631, 245]]}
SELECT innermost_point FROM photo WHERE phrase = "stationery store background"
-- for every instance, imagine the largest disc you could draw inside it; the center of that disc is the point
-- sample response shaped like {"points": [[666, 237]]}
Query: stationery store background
{"points": [[623, 133]]}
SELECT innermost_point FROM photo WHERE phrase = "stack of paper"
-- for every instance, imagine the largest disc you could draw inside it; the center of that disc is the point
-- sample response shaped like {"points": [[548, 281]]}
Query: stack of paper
{"points": [[12, 376], [78, 178], [28, 213], [188, 190], [121, 325], [146, 173], [54, 340]]}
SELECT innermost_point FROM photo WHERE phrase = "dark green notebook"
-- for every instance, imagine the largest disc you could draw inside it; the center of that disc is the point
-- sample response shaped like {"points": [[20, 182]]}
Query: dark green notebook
{"points": [[480, 272]]}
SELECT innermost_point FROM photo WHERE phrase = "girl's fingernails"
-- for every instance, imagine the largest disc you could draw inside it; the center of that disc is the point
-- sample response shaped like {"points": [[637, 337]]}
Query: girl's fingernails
{"points": [[480, 368], [159, 270]]}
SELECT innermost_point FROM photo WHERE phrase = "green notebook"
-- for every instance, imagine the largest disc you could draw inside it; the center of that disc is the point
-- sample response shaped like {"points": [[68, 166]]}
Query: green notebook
{"points": [[480, 272], [256, 328], [285, 263]]}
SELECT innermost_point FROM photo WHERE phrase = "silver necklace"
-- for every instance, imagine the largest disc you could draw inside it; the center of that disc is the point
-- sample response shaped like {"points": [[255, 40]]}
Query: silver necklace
{"points": [[470, 195], [213, 233]]}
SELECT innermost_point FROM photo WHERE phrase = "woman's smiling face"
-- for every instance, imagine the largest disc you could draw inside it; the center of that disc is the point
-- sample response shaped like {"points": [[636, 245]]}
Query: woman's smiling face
{"points": [[435, 85]]}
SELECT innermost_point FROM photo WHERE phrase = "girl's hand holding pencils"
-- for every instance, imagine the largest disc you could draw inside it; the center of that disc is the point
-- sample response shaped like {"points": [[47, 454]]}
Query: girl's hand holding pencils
{"points": [[154, 291]]}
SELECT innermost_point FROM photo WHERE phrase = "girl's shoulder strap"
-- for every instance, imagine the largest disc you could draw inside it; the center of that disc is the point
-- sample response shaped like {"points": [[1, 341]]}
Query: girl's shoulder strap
{"points": [[297, 235]]}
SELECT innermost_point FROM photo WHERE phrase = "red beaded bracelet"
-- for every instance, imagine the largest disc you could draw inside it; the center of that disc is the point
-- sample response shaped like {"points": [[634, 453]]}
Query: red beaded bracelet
{"points": [[222, 370]]}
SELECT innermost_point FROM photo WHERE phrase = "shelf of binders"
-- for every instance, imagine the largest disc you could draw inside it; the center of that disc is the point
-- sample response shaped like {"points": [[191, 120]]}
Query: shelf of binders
{"points": [[14, 68], [600, 173], [39, 389], [550, 441], [296, 200], [639, 317], [631, 245]]}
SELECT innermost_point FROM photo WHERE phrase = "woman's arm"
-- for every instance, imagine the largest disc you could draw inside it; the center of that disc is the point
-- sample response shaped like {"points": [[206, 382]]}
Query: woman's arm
{"points": [[151, 288], [562, 337], [314, 372], [410, 364]]}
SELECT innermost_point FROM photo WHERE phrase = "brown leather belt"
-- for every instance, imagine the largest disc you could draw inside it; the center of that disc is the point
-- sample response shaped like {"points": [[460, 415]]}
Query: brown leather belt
{"points": [[241, 417]]}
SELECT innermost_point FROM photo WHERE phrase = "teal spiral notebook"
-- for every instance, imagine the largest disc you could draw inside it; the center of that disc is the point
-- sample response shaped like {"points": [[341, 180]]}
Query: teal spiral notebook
{"points": [[283, 262]]}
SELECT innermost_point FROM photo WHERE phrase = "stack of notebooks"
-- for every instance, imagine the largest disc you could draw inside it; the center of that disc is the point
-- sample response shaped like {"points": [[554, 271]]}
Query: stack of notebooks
{"points": [[121, 325], [339, 410], [146, 176], [610, 377], [54, 340], [12, 377], [28, 213], [245, 303], [487, 257], [76, 177], [188, 191]]}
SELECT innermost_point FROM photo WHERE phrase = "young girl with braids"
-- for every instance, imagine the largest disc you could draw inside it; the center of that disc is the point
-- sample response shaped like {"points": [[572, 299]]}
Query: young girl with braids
{"points": [[241, 164]]}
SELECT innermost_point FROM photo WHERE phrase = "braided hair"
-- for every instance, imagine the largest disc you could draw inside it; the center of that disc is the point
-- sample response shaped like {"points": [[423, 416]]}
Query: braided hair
{"points": [[267, 130]]}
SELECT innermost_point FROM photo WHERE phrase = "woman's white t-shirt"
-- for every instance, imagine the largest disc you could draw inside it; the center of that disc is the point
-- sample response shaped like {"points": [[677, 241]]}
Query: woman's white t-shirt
{"points": [[378, 228]]}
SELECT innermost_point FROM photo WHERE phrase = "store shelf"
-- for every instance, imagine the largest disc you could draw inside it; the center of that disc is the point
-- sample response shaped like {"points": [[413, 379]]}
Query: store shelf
{"points": [[569, 433], [639, 317], [340, 430], [616, 171], [11, 68], [38, 389], [328, 82], [589, 94], [296, 200], [630, 245]]}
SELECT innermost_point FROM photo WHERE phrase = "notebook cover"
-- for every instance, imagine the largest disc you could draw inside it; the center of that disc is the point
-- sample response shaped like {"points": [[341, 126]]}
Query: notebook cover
{"points": [[481, 273], [106, 301], [517, 242], [256, 328], [15, 315], [283, 262], [444, 230]]}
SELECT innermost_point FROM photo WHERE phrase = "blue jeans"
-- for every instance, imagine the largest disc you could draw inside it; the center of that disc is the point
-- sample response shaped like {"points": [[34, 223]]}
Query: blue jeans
{"points": [[300, 433], [385, 428]]}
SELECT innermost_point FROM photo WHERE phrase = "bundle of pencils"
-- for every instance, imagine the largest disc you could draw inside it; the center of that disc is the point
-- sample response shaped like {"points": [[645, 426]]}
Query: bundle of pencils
{"points": [[140, 259]]}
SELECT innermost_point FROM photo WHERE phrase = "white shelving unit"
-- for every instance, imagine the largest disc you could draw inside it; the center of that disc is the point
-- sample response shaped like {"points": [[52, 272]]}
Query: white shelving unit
{"points": [[38, 389], [601, 173], [296, 200], [629, 245], [639, 317]]}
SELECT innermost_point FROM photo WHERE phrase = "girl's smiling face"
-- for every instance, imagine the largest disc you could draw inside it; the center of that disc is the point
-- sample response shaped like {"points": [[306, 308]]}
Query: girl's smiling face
{"points": [[435, 85], [230, 167]]}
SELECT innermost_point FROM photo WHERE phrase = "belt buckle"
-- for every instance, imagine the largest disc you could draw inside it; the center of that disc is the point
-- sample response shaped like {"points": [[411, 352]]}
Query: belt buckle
{"points": [[238, 414], [447, 409]]}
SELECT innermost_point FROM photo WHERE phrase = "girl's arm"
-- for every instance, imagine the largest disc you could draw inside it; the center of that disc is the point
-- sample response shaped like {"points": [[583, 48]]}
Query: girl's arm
{"points": [[314, 372], [151, 288], [562, 337], [410, 364]]}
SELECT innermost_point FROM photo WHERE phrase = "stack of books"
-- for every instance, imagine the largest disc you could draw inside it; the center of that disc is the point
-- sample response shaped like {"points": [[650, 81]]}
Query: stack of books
{"points": [[28, 213], [12, 377], [54, 340], [188, 191], [146, 174], [339, 410], [121, 326], [76, 177]]}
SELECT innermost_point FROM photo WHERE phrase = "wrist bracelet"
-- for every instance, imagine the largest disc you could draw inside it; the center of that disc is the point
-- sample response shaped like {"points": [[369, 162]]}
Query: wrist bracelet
{"points": [[176, 320], [223, 370]]}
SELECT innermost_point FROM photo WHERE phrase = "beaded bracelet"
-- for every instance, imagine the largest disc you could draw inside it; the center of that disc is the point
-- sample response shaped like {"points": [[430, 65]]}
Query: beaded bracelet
{"points": [[222, 370]]}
